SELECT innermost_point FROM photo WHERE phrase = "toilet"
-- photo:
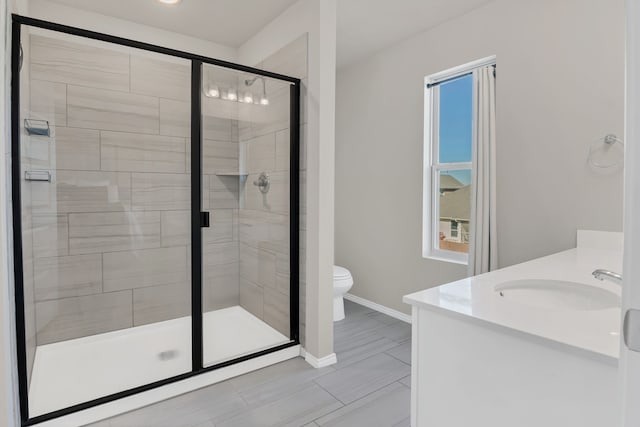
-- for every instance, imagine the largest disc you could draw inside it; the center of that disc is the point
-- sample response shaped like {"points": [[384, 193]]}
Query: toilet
{"points": [[342, 282]]}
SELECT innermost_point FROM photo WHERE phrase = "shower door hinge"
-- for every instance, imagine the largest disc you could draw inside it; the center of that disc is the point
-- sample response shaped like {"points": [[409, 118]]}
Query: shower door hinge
{"points": [[204, 219]]}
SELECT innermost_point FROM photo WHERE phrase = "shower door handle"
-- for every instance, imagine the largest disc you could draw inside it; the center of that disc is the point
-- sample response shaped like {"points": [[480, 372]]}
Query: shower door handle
{"points": [[204, 220]]}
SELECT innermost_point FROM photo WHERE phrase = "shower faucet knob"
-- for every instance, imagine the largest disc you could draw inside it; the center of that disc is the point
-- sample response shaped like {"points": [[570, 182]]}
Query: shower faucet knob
{"points": [[263, 183]]}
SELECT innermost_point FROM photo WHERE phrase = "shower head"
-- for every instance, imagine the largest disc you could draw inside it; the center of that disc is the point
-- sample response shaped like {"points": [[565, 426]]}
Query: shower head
{"points": [[249, 82]]}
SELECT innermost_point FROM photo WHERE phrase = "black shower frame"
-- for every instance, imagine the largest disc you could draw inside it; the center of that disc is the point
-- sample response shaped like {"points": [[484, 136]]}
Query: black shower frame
{"points": [[197, 217]]}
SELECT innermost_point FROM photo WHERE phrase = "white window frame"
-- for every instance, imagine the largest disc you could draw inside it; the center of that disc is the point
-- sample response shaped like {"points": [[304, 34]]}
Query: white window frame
{"points": [[455, 227], [432, 167]]}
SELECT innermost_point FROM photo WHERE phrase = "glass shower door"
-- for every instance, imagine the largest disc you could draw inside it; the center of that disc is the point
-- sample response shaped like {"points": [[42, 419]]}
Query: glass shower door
{"points": [[128, 277], [106, 202], [246, 189]]}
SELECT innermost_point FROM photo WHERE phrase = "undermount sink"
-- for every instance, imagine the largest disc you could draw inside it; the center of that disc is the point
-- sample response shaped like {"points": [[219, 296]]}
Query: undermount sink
{"points": [[557, 295]]}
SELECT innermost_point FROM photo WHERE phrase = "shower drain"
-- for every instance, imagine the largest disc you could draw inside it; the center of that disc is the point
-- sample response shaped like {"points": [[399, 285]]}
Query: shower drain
{"points": [[168, 355]]}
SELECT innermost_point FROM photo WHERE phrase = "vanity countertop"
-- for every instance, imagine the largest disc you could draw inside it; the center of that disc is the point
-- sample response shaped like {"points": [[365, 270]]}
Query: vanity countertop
{"points": [[597, 331]]}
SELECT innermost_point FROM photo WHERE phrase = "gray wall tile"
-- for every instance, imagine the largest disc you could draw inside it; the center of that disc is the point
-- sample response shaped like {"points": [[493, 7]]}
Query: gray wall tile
{"points": [[142, 153], [67, 276], [176, 228], [206, 192], [224, 192], [276, 310], [258, 266], [145, 267], [220, 253], [220, 286], [175, 118], [85, 191], [219, 156], [77, 149], [216, 128], [68, 318], [78, 63], [262, 229], [221, 229], [38, 153], [160, 303], [48, 102], [161, 191], [108, 110], [283, 150], [158, 77], [251, 298], [283, 272], [51, 232], [260, 154], [113, 231]]}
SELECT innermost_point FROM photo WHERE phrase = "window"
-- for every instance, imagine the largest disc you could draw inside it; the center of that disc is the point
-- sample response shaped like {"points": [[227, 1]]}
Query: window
{"points": [[454, 229], [449, 143]]}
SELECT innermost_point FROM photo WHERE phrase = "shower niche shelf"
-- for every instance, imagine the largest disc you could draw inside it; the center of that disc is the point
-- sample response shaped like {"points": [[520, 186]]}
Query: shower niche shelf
{"points": [[37, 127], [238, 174]]}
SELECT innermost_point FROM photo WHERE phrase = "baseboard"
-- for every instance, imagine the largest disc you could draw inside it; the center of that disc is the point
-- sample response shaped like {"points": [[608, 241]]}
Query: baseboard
{"points": [[321, 362], [381, 308]]}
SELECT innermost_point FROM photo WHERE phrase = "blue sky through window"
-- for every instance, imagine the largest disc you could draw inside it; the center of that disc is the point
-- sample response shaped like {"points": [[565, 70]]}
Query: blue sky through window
{"points": [[456, 115]]}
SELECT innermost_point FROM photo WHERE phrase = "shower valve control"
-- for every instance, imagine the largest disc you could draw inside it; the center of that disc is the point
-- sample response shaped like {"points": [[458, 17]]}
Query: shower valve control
{"points": [[263, 183]]}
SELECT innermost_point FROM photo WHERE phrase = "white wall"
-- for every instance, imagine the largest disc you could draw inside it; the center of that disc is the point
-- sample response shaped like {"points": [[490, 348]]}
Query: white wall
{"points": [[318, 19], [58, 13], [559, 87]]}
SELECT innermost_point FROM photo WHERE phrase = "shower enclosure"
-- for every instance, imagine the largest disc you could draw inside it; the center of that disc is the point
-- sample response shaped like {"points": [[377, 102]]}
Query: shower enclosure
{"points": [[155, 209]]}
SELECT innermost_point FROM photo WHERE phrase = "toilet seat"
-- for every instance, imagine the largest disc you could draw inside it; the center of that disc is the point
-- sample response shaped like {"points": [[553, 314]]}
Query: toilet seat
{"points": [[340, 273]]}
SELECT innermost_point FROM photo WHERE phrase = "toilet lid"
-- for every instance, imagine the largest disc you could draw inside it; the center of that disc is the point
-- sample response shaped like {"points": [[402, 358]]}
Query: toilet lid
{"points": [[340, 272]]}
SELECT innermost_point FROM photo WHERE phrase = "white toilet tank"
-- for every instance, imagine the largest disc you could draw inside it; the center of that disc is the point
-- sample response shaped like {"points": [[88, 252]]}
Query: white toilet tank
{"points": [[342, 282]]}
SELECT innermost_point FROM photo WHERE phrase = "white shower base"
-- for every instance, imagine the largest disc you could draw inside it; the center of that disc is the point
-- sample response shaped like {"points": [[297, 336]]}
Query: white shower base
{"points": [[79, 370]]}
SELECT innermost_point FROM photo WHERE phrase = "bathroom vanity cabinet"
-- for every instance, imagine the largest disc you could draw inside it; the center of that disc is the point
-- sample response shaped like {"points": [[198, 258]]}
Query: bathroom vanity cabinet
{"points": [[481, 356]]}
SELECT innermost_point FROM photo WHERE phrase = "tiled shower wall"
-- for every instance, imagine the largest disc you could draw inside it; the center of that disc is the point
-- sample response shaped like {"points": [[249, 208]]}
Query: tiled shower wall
{"points": [[264, 219], [28, 161], [111, 232]]}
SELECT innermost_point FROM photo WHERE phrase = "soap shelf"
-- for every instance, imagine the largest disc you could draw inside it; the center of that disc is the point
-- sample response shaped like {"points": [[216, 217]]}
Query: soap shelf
{"points": [[239, 174], [37, 175], [37, 127]]}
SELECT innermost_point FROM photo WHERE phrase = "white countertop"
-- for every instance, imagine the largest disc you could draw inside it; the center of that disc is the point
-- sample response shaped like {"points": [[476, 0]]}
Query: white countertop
{"points": [[597, 331]]}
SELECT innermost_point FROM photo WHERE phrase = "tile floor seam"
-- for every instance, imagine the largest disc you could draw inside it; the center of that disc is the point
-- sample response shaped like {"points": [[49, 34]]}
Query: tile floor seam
{"points": [[361, 397], [332, 395], [397, 358], [403, 385]]}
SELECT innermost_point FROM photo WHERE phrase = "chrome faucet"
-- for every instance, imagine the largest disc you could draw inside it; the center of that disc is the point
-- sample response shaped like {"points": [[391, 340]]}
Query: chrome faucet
{"points": [[609, 275]]}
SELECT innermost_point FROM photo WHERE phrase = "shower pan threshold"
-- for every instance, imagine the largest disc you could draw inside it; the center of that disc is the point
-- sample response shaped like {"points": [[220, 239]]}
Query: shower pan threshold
{"points": [[78, 370]]}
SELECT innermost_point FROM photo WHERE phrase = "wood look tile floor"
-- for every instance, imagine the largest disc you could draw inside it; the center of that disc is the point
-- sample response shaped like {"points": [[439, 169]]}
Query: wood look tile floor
{"points": [[368, 387]]}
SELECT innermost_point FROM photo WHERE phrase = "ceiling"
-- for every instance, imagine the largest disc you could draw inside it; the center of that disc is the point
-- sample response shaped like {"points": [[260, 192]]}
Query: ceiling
{"points": [[367, 26], [227, 22], [364, 26]]}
